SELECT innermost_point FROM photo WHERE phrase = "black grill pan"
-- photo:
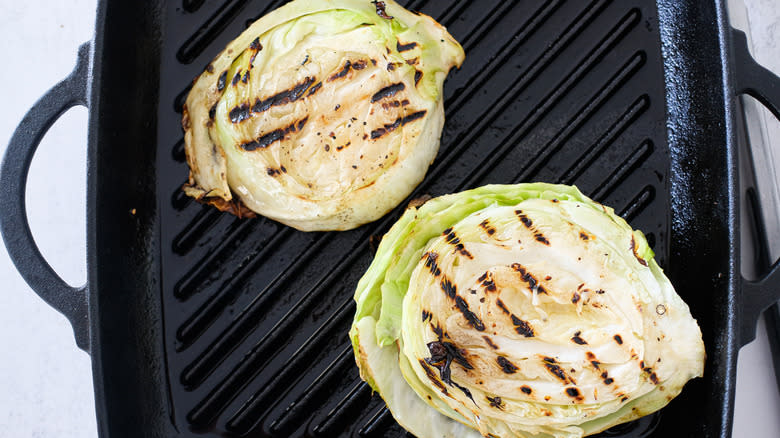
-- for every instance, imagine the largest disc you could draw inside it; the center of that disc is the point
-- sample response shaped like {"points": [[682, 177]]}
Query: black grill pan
{"points": [[203, 325]]}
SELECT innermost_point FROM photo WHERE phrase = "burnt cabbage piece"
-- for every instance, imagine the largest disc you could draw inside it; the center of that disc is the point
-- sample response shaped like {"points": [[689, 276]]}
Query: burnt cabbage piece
{"points": [[522, 310], [322, 115]]}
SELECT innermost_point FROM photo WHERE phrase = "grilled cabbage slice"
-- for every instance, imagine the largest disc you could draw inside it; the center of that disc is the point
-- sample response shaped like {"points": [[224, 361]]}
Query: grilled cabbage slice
{"points": [[322, 115], [522, 310]]}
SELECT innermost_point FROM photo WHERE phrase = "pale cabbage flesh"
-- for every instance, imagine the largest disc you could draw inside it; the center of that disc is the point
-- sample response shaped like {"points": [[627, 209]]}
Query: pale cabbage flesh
{"points": [[322, 115], [521, 311]]}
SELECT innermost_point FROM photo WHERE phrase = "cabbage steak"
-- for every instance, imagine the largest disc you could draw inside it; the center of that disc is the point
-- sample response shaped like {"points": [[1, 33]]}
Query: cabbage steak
{"points": [[322, 115], [522, 310]]}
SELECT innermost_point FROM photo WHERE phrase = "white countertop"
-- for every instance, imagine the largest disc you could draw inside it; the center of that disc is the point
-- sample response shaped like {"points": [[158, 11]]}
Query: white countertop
{"points": [[45, 381]]}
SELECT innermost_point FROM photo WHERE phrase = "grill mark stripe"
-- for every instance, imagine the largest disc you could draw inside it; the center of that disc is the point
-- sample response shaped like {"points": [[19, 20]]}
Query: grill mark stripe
{"points": [[344, 71], [388, 91], [405, 47], [506, 366], [401, 121], [470, 316], [272, 137]]}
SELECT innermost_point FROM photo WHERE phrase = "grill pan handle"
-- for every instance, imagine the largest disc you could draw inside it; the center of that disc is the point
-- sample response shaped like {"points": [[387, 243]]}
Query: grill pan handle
{"points": [[70, 301], [754, 80]]}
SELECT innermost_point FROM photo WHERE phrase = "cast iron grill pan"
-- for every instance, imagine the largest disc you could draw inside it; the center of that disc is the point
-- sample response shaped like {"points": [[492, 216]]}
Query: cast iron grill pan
{"points": [[202, 325], [256, 314]]}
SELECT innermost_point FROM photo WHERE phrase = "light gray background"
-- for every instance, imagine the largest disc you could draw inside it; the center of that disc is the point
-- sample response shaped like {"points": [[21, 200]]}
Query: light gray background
{"points": [[45, 381]]}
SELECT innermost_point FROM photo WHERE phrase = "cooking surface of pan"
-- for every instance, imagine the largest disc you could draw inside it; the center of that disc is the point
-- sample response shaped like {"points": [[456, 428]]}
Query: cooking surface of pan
{"points": [[257, 313], [201, 324]]}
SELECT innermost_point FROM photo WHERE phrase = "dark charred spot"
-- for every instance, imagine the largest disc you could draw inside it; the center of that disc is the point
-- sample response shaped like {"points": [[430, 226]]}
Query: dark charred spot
{"points": [[239, 113], [213, 111], [575, 298], [555, 201], [426, 315], [380, 10], [413, 61], [256, 44], [470, 316], [388, 91], [548, 278], [523, 327], [344, 71], [417, 76], [210, 68], [236, 78], [541, 239], [305, 59], [526, 389], [454, 240], [527, 277], [337, 107], [489, 284], [624, 399], [443, 354], [404, 47], [495, 402], [273, 172], [501, 306], [432, 376], [266, 140], [650, 372], [448, 288], [591, 357], [338, 148], [584, 236], [599, 291], [245, 78], [359, 65], [485, 225], [437, 330], [391, 66], [636, 254], [574, 393], [553, 367], [578, 340], [524, 219], [327, 148], [506, 366], [221, 81], [607, 380], [618, 339], [490, 342], [315, 88], [405, 102]]}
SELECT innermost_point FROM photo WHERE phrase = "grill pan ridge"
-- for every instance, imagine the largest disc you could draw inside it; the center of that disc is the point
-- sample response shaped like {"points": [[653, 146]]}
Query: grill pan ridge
{"points": [[256, 313], [203, 325]]}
